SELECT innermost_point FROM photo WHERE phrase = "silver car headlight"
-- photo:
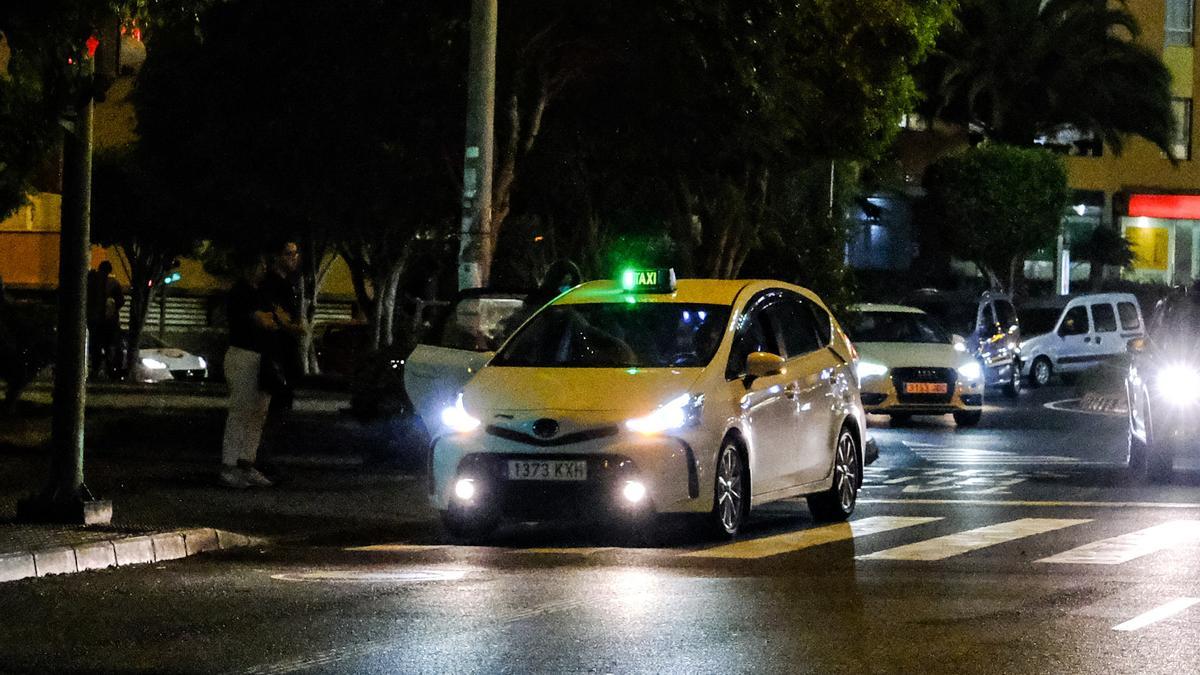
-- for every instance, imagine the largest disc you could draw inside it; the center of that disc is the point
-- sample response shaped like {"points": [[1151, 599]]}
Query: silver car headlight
{"points": [[1179, 383]]}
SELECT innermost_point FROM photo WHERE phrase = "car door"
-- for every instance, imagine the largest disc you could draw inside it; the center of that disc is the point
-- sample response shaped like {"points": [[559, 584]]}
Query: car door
{"points": [[768, 414], [437, 370], [1106, 339], [1073, 350], [810, 369]]}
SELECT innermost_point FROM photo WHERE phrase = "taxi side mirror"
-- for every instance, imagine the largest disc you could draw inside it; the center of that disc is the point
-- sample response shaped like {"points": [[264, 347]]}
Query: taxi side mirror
{"points": [[763, 364], [1136, 345]]}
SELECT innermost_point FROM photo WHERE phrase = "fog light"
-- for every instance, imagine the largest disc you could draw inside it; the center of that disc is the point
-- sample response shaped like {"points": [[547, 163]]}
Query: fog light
{"points": [[634, 491], [464, 489]]}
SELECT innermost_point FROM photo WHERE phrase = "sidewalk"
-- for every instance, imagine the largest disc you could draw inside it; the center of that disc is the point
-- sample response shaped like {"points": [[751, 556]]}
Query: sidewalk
{"points": [[155, 455]]}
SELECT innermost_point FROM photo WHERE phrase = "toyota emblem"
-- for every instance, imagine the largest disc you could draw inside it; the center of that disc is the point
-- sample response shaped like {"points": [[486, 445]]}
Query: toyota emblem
{"points": [[545, 428]]}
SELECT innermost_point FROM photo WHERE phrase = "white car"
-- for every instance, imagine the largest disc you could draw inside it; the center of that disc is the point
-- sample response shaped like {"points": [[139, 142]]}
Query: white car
{"points": [[909, 365], [157, 362], [1067, 335], [647, 396]]}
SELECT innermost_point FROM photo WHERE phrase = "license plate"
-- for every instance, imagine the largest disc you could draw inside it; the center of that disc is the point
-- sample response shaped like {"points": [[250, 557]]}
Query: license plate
{"points": [[521, 469], [925, 388]]}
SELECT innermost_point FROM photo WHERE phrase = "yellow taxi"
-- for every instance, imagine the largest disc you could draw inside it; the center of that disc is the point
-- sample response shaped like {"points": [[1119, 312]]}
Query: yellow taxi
{"points": [[644, 395]]}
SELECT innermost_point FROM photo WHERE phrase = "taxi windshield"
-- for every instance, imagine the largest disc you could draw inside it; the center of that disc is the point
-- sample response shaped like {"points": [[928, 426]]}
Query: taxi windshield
{"points": [[895, 327], [618, 335]]}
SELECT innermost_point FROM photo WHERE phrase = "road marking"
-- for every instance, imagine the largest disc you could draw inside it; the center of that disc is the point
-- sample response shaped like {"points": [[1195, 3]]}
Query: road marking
{"points": [[1157, 614], [951, 545], [1126, 547], [579, 550], [1007, 502], [1062, 406], [396, 548], [372, 576], [944, 455], [795, 541]]}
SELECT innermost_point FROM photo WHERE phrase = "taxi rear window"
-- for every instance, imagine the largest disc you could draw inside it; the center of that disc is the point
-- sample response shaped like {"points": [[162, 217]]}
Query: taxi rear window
{"points": [[618, 335]]}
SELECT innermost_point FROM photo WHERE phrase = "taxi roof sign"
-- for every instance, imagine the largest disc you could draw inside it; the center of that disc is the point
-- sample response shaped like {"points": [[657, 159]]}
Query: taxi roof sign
{"points": [[660, 280]]}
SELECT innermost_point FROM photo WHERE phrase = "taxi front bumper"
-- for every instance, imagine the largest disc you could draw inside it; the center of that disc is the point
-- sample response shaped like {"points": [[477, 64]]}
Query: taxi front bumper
{"points": [[667, 466], [889, 394]]}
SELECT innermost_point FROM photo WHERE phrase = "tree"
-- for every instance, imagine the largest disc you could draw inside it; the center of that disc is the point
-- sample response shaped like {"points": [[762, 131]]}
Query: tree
{"points": [[147, 222], [994, 204], [1022, 68], [1106, 247]]}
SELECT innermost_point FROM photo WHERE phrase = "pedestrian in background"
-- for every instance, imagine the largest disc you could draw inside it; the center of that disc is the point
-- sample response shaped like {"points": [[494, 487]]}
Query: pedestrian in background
{"points": [[283, 362], [252, 327], [104, 301]]}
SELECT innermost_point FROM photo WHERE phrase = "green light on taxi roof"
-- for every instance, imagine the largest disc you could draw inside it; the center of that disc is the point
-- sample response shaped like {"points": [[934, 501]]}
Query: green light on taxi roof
{"points": [[648, 280]]}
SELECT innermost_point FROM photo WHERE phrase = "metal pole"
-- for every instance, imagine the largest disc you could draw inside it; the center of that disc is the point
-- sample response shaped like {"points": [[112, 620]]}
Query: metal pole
{"points": [[477, 245]]}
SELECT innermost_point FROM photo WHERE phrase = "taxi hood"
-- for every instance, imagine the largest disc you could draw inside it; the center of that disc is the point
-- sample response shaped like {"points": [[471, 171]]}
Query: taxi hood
{"points": [[624, 391], [912, 355]]}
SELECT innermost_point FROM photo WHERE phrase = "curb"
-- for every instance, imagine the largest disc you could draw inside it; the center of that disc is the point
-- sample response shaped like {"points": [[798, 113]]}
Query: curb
{"points": [[119, 552]]}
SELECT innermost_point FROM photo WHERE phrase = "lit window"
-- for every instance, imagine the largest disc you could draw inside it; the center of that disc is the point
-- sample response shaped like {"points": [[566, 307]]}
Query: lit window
{"points": [[1179, 22], [1181, 144]]}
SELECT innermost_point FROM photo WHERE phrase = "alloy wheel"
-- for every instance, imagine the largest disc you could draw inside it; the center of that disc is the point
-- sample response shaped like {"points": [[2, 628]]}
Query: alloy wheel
{"points": [[730, 492], [847, 472]]}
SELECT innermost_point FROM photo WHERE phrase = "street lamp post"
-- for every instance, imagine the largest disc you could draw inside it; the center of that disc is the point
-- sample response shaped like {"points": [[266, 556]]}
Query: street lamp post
{"points": [[477, 242]]}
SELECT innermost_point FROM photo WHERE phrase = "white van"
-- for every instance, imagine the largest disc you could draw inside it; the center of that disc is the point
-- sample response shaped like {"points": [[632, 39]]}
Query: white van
{"points": [[1070, 334]]}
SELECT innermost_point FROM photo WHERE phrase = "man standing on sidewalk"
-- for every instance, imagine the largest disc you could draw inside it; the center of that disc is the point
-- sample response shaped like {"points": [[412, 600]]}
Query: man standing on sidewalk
{"points": [[281, 290]]}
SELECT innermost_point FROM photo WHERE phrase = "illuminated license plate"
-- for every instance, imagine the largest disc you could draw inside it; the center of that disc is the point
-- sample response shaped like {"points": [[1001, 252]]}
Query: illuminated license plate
{"points": [[520, 469], [925, 388]]}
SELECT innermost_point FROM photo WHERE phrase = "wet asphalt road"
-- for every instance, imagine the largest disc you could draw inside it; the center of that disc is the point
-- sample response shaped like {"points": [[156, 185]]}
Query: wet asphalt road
{"points": [[1016, 547]]}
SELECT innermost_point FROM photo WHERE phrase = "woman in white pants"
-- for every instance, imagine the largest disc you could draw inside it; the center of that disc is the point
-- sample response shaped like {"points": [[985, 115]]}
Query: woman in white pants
{"points": [[251, 323]]}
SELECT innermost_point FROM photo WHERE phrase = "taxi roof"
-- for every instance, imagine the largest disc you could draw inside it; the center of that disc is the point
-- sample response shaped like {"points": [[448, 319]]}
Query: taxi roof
{"points": [[698, 291]]}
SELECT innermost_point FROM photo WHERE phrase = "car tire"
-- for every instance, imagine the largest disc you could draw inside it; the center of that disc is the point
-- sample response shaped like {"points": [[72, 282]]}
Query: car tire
{"points": [[1040, 372], [968, 418], [1013, 388], [731, 494], [837, 503], [468, 527]]}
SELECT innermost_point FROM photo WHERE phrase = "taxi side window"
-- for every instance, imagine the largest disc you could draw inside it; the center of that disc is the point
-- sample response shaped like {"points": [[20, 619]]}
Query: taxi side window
{"points": [[1075, 322], [796, 326], [754, 334]]}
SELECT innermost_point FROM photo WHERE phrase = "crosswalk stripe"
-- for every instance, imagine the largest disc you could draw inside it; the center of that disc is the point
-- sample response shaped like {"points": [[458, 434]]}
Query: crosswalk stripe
{"points": [[959, 543], [795, 541], [1126, 547], [1157, 614]]}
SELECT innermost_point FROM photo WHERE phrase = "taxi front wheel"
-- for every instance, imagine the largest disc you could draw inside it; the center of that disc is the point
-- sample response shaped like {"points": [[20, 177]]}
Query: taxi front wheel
{"points": [[731, 496], [837, 503]]}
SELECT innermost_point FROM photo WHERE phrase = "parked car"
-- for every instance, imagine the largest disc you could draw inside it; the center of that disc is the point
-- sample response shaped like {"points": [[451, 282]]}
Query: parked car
{"points": [[910, 365], [1163, 389], [987, 322], [159, 362], [1067, 335]]}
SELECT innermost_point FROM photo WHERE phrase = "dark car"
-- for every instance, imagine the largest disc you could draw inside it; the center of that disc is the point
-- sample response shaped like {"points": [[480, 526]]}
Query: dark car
{"points": [[1163, 389], [988, 324]]}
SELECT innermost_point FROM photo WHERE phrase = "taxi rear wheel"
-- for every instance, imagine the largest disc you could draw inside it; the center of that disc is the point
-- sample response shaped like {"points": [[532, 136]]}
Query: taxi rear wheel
{"points": [[731, 498], [837, 503]]}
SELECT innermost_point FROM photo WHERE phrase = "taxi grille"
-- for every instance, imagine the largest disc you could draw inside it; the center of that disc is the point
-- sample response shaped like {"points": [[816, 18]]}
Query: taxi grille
{"points": [[902, 376]]}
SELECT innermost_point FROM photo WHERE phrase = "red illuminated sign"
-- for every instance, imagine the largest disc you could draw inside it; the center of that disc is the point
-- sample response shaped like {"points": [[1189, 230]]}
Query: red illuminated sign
{"points": [[1186, 207]]}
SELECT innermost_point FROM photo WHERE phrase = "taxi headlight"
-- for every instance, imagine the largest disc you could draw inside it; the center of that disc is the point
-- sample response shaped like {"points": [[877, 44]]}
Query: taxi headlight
{"points": [[867, 369], [153, 364], [1179, 383], [677, 413], [971, 371], [456, 418]]}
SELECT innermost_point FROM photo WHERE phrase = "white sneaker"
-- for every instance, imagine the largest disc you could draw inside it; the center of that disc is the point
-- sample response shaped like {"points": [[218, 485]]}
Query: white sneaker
{"points": [[233, 477], [256, 478]]}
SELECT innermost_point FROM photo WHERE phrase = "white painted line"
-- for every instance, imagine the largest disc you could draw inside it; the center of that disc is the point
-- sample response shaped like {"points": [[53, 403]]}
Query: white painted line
{"points": [[1126, 547], [795, 541], [579, 550], [1157, 614], [395, 548], [951, 545], [1056, 504], [1059, 406]]}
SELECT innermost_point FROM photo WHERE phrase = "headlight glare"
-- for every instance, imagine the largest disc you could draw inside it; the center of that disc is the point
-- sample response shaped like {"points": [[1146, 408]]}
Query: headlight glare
{"points": [[867, 369], [153, 364], [675, 414], [456, 418], [971, 371], [1179, 383]]}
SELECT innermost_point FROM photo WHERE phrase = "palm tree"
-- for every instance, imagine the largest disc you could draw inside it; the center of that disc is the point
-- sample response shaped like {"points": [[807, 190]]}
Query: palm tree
{"points": [[1018, 69]]}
